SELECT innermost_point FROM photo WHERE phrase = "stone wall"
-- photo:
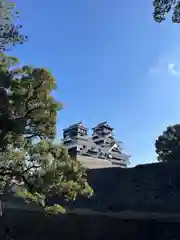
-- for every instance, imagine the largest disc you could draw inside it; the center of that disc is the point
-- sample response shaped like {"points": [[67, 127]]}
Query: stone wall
{"points": [[153, 188], [28, 225], [145, 188], [95, 163]]}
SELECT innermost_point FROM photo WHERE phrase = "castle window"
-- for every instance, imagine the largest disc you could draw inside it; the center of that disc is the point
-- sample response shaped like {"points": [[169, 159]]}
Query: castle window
{"points": [[79, 148], [99, 142]]}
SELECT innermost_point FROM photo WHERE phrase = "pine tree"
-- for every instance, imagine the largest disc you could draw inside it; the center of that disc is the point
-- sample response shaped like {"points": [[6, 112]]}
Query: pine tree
{"points": [[163, 7], [10, 30], [28, 154], [168, 144]]}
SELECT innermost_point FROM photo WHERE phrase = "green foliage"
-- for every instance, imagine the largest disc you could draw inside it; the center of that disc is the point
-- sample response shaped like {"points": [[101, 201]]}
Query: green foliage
{"points": [[28, 155], [168, 144], [163, 7], [9, 29], [55, 209]]}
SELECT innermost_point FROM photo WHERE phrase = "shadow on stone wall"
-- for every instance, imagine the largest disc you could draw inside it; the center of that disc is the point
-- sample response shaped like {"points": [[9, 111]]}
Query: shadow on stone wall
{"points": [[27, 225], [145, 188], [34, 226]]}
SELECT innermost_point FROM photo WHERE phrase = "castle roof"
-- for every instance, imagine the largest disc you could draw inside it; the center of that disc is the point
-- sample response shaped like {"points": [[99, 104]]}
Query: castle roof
{"points": [[103, 124], [75, 125]]}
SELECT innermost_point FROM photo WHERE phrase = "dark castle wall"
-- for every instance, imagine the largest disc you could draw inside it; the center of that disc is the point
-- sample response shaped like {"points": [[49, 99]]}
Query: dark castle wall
{"points": [[32, 225], [146, 188]]}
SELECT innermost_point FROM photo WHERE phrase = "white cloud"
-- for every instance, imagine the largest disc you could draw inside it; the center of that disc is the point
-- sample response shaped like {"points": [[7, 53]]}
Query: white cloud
{"points": [[174, 69], [167, 65]]}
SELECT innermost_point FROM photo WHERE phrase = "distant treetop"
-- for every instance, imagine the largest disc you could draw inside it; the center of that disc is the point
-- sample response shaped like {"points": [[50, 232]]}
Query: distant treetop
{"points": [[164, 7], [10, 30]]}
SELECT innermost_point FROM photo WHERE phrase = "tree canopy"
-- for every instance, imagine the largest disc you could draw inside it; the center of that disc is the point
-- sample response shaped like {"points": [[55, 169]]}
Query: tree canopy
{"points": [[28, 154], [168, 144], [10, 30], [163, 7]]}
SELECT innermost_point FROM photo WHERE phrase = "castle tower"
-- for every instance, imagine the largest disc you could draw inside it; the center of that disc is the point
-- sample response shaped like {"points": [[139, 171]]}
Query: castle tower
{"points": [[102, 134], [75, 137]]}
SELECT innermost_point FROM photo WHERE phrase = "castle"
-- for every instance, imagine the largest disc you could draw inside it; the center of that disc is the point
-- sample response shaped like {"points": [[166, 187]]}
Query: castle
{"points": [[101, 150]]}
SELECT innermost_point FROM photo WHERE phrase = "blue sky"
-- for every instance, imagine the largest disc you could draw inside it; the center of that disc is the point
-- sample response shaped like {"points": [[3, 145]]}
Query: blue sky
{"points": [[111, 62]]}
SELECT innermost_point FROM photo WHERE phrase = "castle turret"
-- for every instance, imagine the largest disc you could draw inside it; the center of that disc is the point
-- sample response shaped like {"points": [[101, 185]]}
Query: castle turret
{"points": [[74, 138], [102, 134]]}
